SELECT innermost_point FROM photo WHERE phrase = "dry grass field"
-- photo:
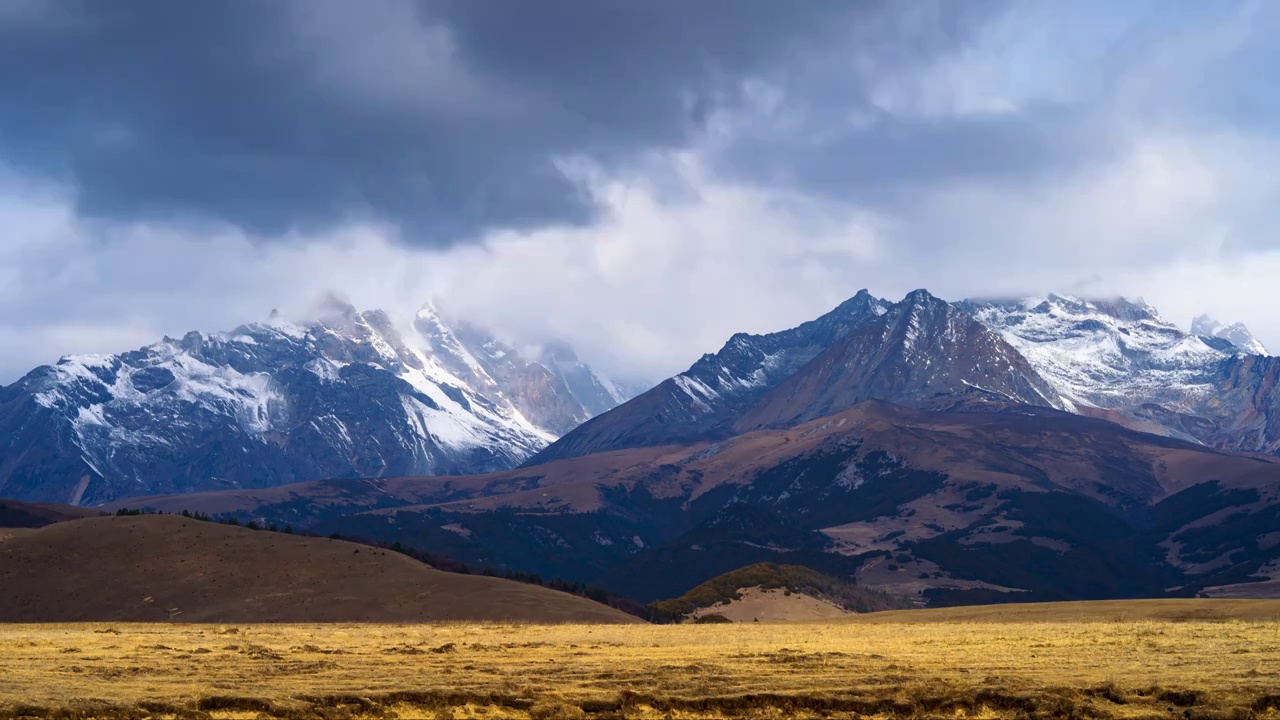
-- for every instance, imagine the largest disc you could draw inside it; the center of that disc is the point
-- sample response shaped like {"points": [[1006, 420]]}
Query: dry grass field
{"points": [[1174, 659]]}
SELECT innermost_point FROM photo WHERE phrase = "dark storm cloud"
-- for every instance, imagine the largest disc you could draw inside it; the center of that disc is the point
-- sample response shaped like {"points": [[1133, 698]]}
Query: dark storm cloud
{"points": [[445, 117], [886, 164]]}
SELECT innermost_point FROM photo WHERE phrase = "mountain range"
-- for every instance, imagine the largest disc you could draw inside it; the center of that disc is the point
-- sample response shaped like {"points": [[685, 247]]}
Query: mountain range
{"points": [[1115, 359], [1044, 448], [278, 402]]}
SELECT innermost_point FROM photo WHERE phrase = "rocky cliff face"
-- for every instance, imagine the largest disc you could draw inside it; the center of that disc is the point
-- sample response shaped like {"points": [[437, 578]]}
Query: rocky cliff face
{"points": [[273, 403]]}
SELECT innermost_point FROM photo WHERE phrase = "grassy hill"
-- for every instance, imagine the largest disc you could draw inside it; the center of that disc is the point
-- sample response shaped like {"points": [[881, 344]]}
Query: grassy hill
{"points": [[18, 514], [170, 568], [770, 576]]}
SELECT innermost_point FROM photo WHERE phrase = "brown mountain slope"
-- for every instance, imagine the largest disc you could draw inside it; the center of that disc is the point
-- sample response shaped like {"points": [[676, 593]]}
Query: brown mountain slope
{"points": [[910, 500], [165, 568], [1030, 448]]}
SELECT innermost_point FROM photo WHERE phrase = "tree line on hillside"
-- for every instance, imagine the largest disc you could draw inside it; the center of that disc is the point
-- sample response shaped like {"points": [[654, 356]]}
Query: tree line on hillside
{"points": [[723, 588], [772, 576]]}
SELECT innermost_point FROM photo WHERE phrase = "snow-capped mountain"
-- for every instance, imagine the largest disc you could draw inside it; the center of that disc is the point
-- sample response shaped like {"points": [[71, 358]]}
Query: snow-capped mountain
{"points": [[555, 391], [1235, 333], [1212, 385], [921, 351], [278, 402]]}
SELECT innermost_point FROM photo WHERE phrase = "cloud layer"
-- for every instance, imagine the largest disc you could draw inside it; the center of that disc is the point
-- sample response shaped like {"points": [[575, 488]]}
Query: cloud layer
{"points": [[441, 116], [642, 179]]}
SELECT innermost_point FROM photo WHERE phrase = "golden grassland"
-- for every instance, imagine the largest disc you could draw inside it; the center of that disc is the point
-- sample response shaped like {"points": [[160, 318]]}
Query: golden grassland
{"points": [[1121, 660]]}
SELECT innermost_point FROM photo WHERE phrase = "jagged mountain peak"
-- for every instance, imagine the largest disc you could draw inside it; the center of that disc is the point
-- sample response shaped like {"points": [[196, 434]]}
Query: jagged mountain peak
{"points": [[916, 311], [703, 399], [919, 296], [748, 363], [922, 352], [861, 301], [1236, 334]]}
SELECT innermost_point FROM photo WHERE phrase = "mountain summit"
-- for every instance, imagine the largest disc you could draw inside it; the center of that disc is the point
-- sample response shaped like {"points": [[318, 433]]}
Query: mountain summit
{"points": [[1235, 333], [922, 352]]}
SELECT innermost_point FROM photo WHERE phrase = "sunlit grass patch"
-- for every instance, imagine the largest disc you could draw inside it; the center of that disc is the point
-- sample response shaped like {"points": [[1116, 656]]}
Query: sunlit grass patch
{"points": [[912, 666]]}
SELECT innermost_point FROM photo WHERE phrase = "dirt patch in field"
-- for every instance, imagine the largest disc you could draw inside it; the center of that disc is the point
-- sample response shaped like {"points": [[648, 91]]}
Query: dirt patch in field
{"points": [[776, 605]]}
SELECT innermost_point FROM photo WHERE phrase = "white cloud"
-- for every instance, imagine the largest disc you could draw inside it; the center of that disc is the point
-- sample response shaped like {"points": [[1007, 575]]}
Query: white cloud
{"points": [[655, 284], [665, 276], [658, 282], [70, 286]]}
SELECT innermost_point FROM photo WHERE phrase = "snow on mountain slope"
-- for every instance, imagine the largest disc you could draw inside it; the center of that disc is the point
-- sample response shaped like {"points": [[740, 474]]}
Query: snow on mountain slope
{"points": [[278, 402], [1214, 385], [1235, 333], [1105, 353]]}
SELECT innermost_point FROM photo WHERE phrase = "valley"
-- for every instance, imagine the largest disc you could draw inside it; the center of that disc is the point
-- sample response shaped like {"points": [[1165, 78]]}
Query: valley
{"points": [[955, 507]]}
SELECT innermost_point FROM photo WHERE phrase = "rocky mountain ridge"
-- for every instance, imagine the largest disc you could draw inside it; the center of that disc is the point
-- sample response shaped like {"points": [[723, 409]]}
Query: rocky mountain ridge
{"points": [[698, 402]]}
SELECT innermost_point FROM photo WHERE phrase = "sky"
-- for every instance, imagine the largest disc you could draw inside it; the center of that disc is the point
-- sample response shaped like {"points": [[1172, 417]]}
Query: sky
{"points": [[639, 179]]}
